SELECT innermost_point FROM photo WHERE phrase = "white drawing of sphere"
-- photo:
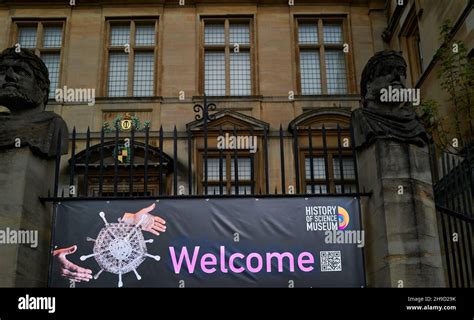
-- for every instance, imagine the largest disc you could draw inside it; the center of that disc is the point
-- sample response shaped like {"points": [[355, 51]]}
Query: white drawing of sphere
{"points": [[120, 248]]}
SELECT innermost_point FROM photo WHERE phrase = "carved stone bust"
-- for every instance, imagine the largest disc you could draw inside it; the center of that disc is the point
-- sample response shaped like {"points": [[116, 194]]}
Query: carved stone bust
{"points": [[24, 89], [386, 120]]}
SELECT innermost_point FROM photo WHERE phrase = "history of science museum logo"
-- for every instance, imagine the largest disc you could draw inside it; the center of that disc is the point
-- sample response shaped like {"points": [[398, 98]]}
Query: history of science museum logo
{"points": [[326, 218]]}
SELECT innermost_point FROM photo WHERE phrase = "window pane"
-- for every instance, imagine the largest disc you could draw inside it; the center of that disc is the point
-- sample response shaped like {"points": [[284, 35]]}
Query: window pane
{"points": [[308, 33], [213, 169], [242, 189], [245, 169], [348, 188], [27, 37], [53, 37], [143, 76], [120, 35], [214, 34], [332, 33], [118, 74], [239, 33], [215, 190], [419, 51], [319, 168], [310, 72], [240, 78], [145, 35], [318, 189], [347, 167], [214, 74], [336, 72], [51, 60]]}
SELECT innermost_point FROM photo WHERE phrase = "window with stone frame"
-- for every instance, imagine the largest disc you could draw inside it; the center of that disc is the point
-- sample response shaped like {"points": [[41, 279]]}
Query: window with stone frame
{"points": [[45, 38], [132, 50], [227, 51], [322, 170], [323, 66], [215, 164], [317, 184], [411, 44], [108, 181]]}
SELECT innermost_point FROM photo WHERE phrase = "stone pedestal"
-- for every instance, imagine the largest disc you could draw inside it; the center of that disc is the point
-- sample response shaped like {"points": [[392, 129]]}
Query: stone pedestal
{"points": [[24, 177], [402, 245]]}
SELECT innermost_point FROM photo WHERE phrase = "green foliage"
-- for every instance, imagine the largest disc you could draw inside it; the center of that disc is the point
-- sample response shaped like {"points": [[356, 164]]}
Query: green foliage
{"points": [[456, 74], [433, 122], [106, 126]]}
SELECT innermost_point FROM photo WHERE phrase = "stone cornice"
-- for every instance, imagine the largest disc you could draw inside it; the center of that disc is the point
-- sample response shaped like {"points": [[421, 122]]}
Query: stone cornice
{"points": [[175, 2]]}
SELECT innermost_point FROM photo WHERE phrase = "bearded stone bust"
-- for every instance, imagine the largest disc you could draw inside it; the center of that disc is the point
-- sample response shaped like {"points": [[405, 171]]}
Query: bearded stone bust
{"points": [[24, 90], [386, 120]]}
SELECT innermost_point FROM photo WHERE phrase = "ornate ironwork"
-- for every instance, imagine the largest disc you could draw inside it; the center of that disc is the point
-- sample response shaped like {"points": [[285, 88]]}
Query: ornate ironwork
{"points": [[202, 111]]}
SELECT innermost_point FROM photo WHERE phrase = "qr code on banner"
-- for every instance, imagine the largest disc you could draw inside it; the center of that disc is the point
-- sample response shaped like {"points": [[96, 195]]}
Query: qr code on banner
{"points": [[331, 261]]}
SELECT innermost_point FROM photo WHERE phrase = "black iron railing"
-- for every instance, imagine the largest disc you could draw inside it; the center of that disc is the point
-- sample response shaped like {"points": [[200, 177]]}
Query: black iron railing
{"points": [[454, 194], [145, 164]]}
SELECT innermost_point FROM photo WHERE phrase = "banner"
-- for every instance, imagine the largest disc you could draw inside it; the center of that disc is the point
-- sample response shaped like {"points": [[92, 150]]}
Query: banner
{"points": [[216, 242]]}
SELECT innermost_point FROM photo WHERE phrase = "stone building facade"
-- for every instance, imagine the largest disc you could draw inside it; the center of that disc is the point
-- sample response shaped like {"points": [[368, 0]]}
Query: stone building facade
{"points": [[296, 60], [286, 68], [414, 29], [272, 69]]}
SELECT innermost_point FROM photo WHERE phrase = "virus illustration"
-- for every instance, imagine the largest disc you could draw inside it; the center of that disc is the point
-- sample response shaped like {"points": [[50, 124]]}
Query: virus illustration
{"points": [[120, 248]]}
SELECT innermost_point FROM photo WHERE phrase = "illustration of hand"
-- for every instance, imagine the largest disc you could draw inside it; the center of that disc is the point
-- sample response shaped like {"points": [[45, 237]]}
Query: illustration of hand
{"points": [[68, 269], [147, 221]]}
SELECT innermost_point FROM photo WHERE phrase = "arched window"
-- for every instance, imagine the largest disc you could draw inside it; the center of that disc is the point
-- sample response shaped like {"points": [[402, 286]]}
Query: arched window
{"points": [[234, 141], [109, 180], [325, 152]]}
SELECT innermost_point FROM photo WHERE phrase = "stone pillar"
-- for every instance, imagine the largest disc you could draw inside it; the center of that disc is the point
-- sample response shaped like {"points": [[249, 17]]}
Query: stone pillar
{"points": [[402, 245], [30, 140], [24, 177]]}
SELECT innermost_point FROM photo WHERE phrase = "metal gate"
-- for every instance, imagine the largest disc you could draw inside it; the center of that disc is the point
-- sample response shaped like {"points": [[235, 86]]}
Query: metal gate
{"points": [[454, 195]]}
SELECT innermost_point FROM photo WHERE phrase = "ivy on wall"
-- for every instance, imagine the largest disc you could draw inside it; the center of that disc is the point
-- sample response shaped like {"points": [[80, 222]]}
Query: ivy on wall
{"points": [[455, 131]]}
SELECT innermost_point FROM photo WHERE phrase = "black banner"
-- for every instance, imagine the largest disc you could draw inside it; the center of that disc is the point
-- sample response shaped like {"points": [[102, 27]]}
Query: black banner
{"points": [[217, 242]]}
